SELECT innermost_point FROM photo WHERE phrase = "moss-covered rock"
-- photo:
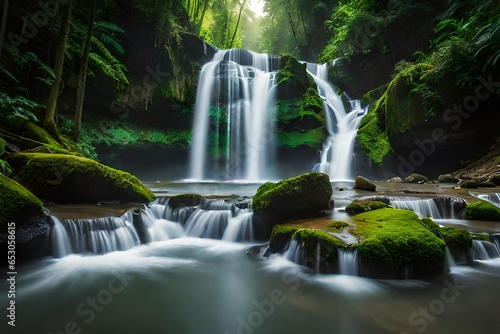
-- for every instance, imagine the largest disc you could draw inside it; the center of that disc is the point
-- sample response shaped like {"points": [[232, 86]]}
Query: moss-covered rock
{"points": [[482, 210], [280, 237], [305, 193], [393, 239], [363, 205], [293, 79], [432, 226], [456, 237], [372, 139], [2, 146], [18, 204], [70, 179], [336, 225]]}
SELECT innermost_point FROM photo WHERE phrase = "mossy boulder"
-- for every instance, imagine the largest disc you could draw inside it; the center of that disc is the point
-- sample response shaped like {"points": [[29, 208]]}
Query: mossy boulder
{"points": [[482, 210], [280, 237], [394, 243], [363, 205], [456, 237], [185, 200], [293, 79], [336, 225], [64, 178], [302, 194], [18, 204], [372, 139]]}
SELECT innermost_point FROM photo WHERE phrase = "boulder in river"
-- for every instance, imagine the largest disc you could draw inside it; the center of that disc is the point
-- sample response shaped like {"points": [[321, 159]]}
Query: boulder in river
{"points": [[363, 183]]}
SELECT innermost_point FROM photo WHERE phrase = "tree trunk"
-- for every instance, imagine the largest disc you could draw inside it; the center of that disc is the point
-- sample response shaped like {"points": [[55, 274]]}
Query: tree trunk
{"points": [[205, 6], [4, 24], [237, 24], [82, 78], [291, 25], [48, 122]]}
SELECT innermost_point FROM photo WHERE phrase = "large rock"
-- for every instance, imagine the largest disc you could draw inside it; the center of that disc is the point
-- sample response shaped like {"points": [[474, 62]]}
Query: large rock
{"points": [[482, 210], [302, 194], [364, 184], [18, 204], [447, 178], [416, 178], [64, 178]]}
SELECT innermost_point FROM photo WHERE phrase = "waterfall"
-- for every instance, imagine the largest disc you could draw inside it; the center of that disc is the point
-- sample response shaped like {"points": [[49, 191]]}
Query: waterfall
{"points": [[342, 126], [59, 238], [438, 208], [233, 133], [449, 259], [484, 250], [348, 261], [294, 252]]}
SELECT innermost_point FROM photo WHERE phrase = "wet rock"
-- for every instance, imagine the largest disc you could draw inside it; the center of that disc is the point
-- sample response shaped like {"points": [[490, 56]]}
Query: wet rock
{"points": [[495, 178], [364, 184], [447, 178], [396, 179], [470, 184], [416, 178], [486, 184]]}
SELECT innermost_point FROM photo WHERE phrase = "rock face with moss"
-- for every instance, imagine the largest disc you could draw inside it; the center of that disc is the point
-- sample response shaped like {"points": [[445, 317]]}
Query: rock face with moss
{"points": [[303, 194], [363, 205], [18, 204], [482, 210], [70, 179], [318, 249], [397, 244]]}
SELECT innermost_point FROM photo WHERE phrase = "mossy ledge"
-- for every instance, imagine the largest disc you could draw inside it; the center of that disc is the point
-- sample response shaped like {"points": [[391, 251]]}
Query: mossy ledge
{"points": [[364, 205], [395, 243], [64, 178], [18, 204], [482, 210]]}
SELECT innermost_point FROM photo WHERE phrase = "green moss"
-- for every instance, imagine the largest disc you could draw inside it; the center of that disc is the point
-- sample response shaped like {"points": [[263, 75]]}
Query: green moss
{"points": [[311, 138], [372, 140], [17, 203], [310, 238], [185, 200], [5, 168], [280, 237], [292, 72], [396, 238], [66, 178], [456, 237], [482, 210], [480, 236], [432, 226], [2, 146], [358, 206], [336, 225], [305, 192], [39, 134]]}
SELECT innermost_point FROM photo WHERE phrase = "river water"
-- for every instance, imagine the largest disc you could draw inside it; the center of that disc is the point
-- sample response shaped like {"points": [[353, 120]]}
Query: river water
{"points": [[205, 286]]}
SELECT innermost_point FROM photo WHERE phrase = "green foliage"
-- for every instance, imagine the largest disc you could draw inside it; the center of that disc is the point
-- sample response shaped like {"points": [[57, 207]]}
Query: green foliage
{"points": [[456, 237], [397, 238], [482, 210], [5, 168], [16, 109], [311, 138]]}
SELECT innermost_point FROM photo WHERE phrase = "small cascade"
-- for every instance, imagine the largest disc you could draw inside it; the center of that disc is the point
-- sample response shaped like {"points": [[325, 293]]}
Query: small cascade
{"points": [[295, 252], [449, 259], [219, 204], [495, 240], [59, 238], [317, 262], [97, 236], [438, 207], [240, 228], [208, 224], [493, 198], [233, 132], [342, 126], [484, 250], [159, 229], [348, 261]]}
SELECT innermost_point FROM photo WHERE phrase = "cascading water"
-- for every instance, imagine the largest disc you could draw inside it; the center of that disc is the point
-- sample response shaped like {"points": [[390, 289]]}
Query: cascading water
{"points": [[342, 126], [215, 219], [233, 129], [484, 250], [348, 262], [438, 207]]}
